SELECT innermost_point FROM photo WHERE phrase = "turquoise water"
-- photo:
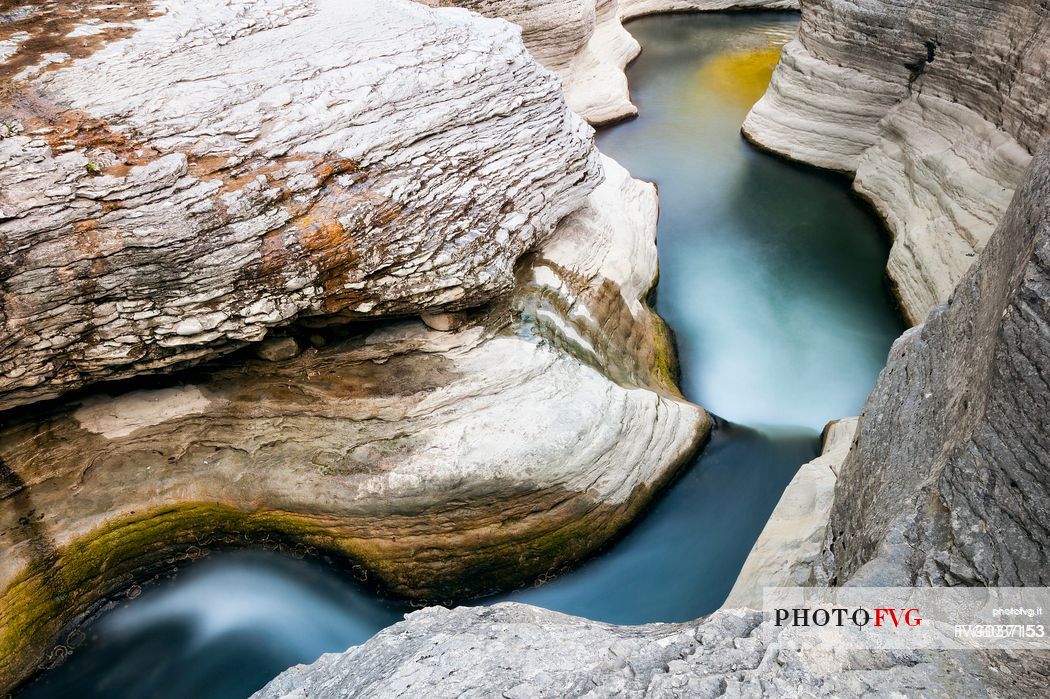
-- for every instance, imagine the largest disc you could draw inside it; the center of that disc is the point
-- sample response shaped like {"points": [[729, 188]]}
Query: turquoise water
{"points": [[771, 276]]}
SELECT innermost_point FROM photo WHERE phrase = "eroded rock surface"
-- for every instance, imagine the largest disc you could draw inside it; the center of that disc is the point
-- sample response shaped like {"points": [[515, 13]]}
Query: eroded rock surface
{"points": [[935, 106], [581, 40], [177, 177], [444, 464], [964, 498], [515, 650]]}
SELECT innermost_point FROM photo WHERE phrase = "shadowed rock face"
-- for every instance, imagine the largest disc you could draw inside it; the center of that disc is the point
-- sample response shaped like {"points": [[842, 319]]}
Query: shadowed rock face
{"points": [[964, 496], [207, 171], [935, 106]]}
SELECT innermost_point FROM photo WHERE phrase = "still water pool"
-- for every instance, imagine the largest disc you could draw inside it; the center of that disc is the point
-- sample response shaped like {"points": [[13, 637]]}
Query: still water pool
{"points": [[771, 276]]}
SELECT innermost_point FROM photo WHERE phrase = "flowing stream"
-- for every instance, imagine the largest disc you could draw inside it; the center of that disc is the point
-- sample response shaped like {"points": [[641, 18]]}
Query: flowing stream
{"points": [[771, 276]]}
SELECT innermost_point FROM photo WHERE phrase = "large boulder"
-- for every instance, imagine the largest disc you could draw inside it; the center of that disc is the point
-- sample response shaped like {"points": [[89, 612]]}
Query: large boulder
{"points": [[178, 177], [935, 107]]}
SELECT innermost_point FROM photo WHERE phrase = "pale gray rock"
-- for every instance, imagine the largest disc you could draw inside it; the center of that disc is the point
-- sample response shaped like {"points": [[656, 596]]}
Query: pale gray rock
{"points": [[949, 480], [935, 106], [788, 551], [514, 650], [581, 40], [175, 184]]}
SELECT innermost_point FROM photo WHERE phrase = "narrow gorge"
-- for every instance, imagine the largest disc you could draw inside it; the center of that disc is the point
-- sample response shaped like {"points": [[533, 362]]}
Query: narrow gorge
{"points": [[318, 312]]}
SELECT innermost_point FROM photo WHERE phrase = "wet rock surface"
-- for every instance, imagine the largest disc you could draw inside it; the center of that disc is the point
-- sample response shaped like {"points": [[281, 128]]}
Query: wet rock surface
{"points": [[176, 178]]}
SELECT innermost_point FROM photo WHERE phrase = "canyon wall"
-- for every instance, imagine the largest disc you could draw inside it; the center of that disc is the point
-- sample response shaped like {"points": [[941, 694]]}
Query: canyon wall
{"points": [[964, 499], [935, 108]]}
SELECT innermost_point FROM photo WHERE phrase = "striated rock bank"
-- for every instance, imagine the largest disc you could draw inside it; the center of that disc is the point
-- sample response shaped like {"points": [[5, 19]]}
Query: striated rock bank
{"points": [[178, 180], [934, 106], [583, 41]]}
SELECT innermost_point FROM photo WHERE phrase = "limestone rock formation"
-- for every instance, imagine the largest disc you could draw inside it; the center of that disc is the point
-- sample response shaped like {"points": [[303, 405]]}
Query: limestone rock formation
{"points": [[936, 108], [444, 464], [964, 497], [177, 177], [581, 40], [514, 650], [788, 551]]}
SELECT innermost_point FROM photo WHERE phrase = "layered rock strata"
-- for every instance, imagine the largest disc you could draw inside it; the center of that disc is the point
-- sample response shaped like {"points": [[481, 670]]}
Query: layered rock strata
{"points": [[946, 483], [176, 178], [935, 107], [581, 40], [443, 464]]}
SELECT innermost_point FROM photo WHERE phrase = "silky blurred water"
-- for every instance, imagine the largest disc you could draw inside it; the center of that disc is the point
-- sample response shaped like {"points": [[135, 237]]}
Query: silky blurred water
{"points": [[771, 276]]}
